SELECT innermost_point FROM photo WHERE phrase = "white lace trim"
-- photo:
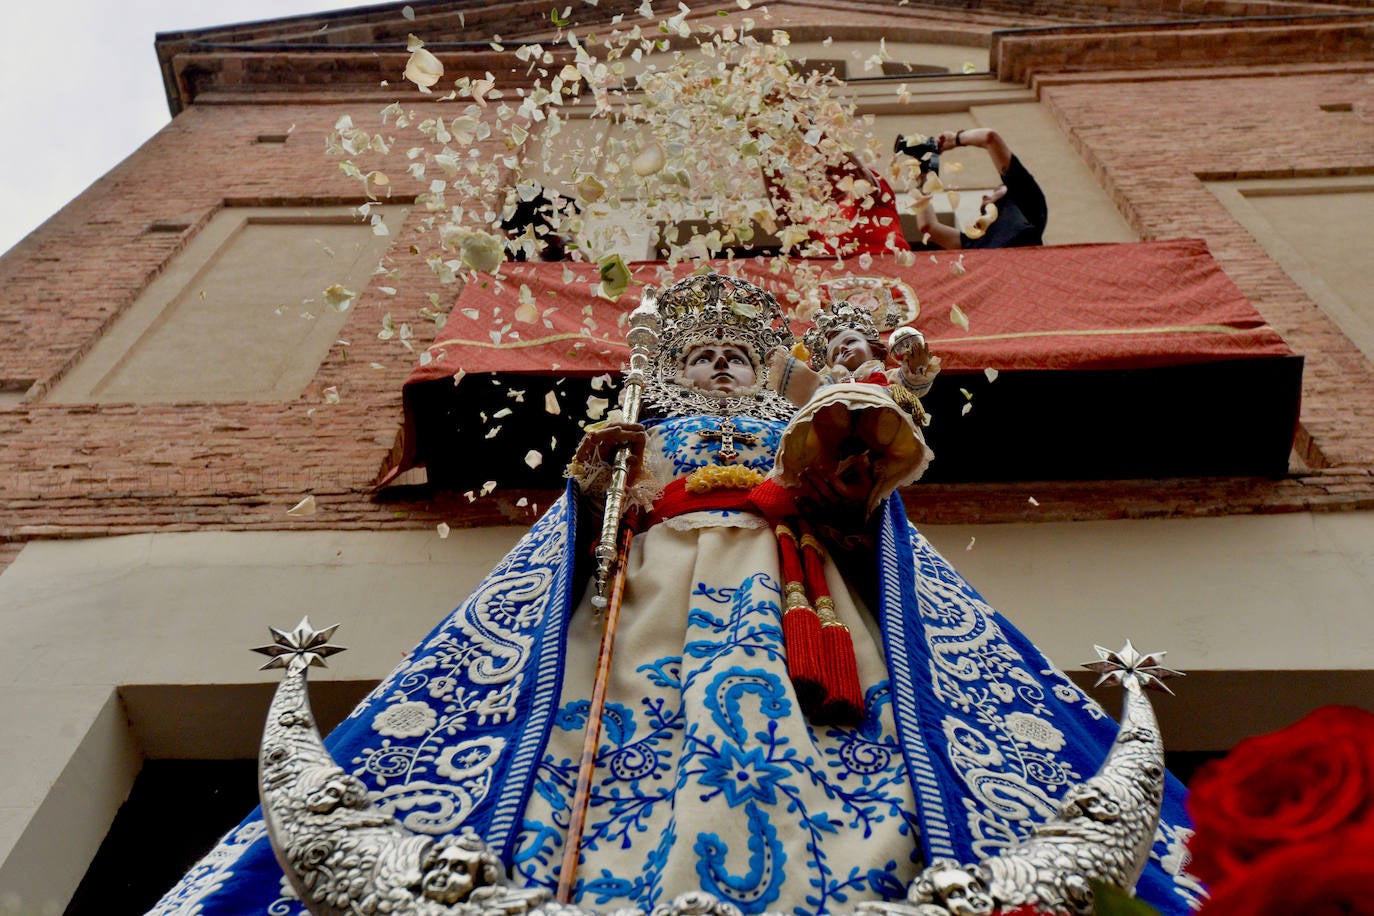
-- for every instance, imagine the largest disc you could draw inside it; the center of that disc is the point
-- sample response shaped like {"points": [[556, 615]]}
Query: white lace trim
{"points": [[713, 518]]}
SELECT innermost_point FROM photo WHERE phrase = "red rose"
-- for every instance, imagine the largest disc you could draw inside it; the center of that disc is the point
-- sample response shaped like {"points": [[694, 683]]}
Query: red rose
{"points": [[1324, 877], [1300, 783]]}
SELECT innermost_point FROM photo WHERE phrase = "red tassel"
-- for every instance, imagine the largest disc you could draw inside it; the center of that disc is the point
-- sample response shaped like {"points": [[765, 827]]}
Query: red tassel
{"points": [[801, 628], [801, 632], [844, 700]]}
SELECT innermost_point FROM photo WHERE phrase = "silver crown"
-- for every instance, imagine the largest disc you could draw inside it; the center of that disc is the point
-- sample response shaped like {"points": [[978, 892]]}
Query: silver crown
{"points": [[707, 309]]}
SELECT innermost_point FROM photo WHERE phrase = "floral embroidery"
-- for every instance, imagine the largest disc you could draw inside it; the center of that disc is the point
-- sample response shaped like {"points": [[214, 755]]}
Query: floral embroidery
{"points": [[405, 720]]}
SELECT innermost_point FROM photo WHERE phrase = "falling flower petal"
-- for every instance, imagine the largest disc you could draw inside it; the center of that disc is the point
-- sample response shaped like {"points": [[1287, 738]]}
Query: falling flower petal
{"points": [[649, 161], [303, 509], [481, 251], [1032, 500], [551, 403], [533, 458], [589, 189], [423, 69], [615, 276], [971, 542], [980, 225], [339, 298], [443, 530], [991, 374], [527, 312], [957, 317]]}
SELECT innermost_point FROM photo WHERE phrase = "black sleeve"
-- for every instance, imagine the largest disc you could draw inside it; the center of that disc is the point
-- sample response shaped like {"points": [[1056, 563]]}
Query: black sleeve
{"points": [[1026, 193]]}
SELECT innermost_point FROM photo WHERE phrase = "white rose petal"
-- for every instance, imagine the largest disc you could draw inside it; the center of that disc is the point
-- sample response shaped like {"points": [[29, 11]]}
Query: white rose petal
{"points": [[649, 161], [957, 317], [423, 69], [339, 297], [303, 509]]}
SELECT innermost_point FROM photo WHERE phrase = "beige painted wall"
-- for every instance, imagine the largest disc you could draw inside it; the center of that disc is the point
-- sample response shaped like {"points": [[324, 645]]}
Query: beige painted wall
{"points": [[1270, 613]]}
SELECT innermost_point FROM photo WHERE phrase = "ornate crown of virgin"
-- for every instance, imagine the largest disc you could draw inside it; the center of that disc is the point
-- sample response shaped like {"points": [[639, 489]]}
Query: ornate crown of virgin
{"points": [[712, 308]]}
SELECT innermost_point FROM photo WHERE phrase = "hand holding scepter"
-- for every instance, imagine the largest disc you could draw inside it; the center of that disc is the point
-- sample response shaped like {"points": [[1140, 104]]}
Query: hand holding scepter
{"points": [[611, 551]]}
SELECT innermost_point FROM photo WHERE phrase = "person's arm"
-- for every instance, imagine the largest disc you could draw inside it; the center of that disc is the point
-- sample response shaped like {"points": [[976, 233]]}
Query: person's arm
{"points": [[983, 137], [945, 236]]}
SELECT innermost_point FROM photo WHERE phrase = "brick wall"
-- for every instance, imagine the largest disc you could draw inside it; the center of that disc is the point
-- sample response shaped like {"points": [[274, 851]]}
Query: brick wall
{"points": [[1149, 142], [73, 471]]}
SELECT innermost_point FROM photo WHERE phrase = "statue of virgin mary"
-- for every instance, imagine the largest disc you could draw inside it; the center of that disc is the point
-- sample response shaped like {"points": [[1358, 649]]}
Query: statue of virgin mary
{"points": [[775, 762]]}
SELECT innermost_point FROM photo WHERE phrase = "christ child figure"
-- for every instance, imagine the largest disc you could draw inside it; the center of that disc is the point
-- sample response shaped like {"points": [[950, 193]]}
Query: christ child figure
{"points": [[846, 346]]}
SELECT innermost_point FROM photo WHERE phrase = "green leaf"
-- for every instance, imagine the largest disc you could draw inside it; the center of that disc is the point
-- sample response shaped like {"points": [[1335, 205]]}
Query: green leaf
{"points": [[1109, 900]]}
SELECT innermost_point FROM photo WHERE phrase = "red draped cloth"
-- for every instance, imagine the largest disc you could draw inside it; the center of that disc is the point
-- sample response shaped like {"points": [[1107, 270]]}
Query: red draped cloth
{"points": [[1121, 306]]}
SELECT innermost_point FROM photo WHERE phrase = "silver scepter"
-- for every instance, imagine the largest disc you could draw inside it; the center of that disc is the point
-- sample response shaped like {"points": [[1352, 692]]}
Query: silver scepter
{"points": [[611, 551], [642, 338]]}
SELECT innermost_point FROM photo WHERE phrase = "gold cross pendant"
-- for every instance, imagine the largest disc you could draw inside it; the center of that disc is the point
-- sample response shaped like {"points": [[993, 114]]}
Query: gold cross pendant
{"points": [[728, 434]]}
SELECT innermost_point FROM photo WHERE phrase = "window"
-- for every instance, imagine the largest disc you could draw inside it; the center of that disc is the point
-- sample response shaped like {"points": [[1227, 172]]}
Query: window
{"points": [[237, 315], [1315, 228]]}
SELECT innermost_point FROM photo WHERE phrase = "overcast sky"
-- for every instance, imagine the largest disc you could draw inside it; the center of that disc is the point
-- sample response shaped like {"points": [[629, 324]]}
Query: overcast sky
{"points": [[80, 89]]}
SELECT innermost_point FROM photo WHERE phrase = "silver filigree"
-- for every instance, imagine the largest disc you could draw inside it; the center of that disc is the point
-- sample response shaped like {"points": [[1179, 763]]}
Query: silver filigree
{"points": [[341, 854], [1103, 829]]}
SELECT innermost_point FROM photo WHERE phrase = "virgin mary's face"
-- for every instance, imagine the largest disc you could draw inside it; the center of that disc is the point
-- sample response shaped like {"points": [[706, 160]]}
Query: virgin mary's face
{"points": [[723, 368]]}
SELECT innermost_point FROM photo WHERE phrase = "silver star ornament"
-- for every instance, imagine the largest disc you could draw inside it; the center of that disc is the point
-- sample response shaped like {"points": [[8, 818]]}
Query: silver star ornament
{"points": [[1128, 668], [300, 647]]}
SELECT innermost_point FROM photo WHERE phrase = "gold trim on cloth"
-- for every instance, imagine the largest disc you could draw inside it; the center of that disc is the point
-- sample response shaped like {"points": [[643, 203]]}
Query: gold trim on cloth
{"points": [[1112, 332]]}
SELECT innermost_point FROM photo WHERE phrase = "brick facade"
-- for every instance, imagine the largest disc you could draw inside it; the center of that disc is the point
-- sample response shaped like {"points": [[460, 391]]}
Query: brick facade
{"points": [[1151, 136]]}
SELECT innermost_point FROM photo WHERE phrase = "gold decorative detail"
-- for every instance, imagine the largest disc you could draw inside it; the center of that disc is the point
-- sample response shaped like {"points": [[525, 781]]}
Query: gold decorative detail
{"points": [[795, 595], [727, 434], [717, 477], [825, 610]]}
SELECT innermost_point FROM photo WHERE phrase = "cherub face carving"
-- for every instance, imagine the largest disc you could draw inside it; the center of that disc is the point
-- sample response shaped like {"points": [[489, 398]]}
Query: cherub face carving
{"points": [[457, 865], [960, 892], [333, 790], [1087, 801]]}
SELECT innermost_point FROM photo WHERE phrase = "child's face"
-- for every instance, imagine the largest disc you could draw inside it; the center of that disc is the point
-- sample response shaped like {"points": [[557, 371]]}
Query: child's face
{"points": [[849, 349]]}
